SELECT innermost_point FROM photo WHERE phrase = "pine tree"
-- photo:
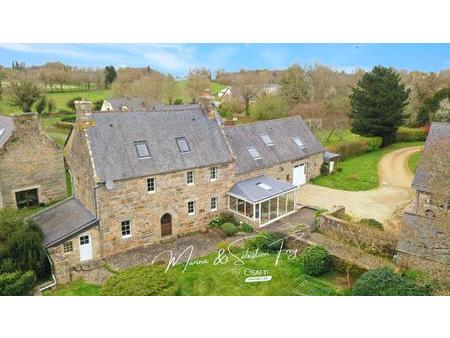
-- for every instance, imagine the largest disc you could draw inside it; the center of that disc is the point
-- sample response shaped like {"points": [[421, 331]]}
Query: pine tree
{"points": [[377, 104]]}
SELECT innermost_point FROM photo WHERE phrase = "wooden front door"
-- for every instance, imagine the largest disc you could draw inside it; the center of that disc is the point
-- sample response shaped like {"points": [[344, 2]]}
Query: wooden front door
{"points": [[166, 225]]}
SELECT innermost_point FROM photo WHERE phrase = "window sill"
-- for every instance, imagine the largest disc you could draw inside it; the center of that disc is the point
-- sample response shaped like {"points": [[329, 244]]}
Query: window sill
{"points": [[191, 214], [127, 237], [151, 192]]}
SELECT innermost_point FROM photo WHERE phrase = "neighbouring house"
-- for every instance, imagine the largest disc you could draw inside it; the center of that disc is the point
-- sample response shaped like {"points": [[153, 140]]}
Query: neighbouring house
{"points": [[145, 176], [123, 104], [32, 169], [272, 89], [424, 239], [224, 93]]}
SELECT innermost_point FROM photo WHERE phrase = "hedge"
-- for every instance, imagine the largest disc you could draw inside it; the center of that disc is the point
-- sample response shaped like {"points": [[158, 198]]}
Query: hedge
{"points": [[356, 147], [385, 282], [17, 283], [405, 134], [266, 241], [141, 281]]}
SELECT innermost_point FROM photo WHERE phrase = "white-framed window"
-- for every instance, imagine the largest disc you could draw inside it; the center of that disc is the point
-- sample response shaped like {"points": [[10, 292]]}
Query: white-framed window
{"points": [[126, 229], [84, 240], [190, 177], [299, 142], [68, 246], [142, 149], [151, 184], [183, 145], [191, 207], [213, 204], [213, 173]]}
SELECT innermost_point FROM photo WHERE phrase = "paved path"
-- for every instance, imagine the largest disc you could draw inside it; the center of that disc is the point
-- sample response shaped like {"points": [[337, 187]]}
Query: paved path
{"points": [[393, 195]]}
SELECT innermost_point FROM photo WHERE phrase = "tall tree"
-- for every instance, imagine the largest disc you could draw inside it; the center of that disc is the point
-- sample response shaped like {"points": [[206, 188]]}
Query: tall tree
{"points": [[24, 95], [110, 75], [198, 80], [377, 104], [247, 85], [295, 85]]}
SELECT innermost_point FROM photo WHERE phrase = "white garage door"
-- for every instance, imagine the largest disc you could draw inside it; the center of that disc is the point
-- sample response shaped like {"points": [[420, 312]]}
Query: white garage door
{"points": [[85, 248], [299, 175]]}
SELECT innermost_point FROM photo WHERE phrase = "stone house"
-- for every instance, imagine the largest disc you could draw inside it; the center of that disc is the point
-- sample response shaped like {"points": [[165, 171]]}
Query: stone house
{"points": [[146, 176], [32, 169], [124, 104], [423, 241]]}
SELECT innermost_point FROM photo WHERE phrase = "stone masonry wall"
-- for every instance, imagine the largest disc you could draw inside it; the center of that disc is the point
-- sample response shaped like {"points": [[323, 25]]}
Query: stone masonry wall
{"points": [[80, 164], [130, 200], [65, 262], [30, 159]]}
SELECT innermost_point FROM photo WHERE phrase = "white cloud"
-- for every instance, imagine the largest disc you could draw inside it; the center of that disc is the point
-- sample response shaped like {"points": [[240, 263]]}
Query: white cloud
{"points": [[171, 57]]}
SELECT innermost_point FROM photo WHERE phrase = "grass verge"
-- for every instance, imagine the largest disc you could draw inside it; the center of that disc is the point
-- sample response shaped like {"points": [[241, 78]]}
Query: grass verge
{"points": [[360, 173], [413, 161]]}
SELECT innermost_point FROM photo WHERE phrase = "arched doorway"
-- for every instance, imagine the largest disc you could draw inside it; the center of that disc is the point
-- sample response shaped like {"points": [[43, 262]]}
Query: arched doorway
{"points": [[166, 225]]}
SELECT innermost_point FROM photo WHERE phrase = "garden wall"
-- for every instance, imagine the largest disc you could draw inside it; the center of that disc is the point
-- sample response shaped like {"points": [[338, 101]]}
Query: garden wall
{"points": [[369, 239]]}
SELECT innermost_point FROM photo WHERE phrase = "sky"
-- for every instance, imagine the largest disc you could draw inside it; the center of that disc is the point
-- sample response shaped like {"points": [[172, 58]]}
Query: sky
{"points": [[177, 59]]}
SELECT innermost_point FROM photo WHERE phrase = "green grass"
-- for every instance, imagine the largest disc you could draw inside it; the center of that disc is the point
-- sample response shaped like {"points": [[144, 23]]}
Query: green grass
{"points": [[326, 139], [360, 173], [413, 161], [229, 279], [60, 99], [77, 288]]}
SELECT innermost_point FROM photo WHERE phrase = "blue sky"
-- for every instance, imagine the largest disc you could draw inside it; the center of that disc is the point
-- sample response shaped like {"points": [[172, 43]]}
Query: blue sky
{"points": [[178, 58]]}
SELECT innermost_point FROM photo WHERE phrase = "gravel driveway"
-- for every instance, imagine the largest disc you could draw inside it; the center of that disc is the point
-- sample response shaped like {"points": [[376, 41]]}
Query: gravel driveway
{"points": [[393, 195]]}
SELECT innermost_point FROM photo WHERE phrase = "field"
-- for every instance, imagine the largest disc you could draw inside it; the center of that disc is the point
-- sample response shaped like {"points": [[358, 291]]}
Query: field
{"points": [[360, 173], [228, 279], [413, 161]]}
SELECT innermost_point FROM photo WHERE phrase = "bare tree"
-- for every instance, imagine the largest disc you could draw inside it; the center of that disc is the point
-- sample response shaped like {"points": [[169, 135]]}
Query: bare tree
{"points": [[248, 85], [198, 80]]}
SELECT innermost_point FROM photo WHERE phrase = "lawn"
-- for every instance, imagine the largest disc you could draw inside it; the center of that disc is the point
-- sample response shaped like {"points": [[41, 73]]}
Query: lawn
{"points": [[208, 279], [77, 288], [413, 161], [359, 173], [60, 99]]}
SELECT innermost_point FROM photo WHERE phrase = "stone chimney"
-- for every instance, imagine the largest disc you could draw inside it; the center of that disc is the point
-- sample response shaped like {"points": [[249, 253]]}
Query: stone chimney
{"points": [[207, 104], [84, 117], [26, 124]]}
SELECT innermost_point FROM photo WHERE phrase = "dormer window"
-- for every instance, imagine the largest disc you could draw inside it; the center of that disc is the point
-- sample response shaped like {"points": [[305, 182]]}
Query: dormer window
{"points": [[267, 140], [255, 154], [299, 142], [142, 149], [183, 146]]}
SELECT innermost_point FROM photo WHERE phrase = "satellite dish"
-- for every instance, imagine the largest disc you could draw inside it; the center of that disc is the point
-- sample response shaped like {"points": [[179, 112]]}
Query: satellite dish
{"points": [[109, 184]]}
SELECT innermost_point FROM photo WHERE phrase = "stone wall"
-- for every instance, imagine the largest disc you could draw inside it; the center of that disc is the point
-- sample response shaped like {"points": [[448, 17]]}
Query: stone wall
{"points": [[65, 262], [130, 200], [369, 239], [30, 159], [80, 164]]}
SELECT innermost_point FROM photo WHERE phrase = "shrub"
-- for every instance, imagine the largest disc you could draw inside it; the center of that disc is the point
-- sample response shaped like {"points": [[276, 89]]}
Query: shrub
{"points": [[41, 104], [141, 281], [269, 107], [217, 221], [178, 101], [69, 118], [405, 134], [245, 227], [385, 282], [232, 106], [24, 248], [17, 283], [225, 245], [350, 148], [230, 229], [266, 241], [374, 143], [372, 223], [51, 106], [316, 260], [98, 105], [71, 103]]}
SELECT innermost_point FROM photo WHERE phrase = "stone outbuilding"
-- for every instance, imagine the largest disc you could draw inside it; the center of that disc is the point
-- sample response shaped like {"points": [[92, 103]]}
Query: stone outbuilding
{"points": [[32, 169]]}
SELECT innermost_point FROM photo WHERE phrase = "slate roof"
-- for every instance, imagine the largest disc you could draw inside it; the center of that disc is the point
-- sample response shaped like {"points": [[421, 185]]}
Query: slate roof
{"points": [[282, 133], [438, 131], [113, 136], [249, 190], [422, 238], [7, 125], [63, 221], [133, 104]]}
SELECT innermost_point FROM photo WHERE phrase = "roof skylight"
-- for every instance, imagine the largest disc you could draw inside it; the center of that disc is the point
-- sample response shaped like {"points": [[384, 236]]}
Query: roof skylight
{"points": [[183, 146], [255, 154], [267, 140], [142, 149], [264, 186], [2, 131], [299, 142]]}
